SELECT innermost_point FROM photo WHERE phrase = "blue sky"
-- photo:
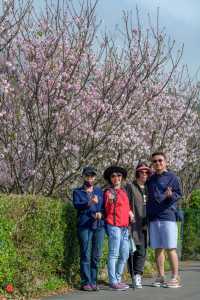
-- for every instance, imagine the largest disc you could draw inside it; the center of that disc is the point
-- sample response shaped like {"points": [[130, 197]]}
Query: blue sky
{"points": [[181, 19]]}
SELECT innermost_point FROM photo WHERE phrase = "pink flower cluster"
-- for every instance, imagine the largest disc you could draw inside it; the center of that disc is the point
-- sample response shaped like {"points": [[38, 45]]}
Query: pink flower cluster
{"points": [[67, 102]]}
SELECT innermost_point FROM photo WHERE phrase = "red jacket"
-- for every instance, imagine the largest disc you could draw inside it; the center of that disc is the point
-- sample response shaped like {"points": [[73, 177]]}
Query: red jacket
{"points": [[117, 211]]}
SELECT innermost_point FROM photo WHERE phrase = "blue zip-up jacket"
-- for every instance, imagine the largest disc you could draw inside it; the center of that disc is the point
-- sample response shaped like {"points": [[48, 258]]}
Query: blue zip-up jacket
{"points": [[86, 213], [158, 206]]}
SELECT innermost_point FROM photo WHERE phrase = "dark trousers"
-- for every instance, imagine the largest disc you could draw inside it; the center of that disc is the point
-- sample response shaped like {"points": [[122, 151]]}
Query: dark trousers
{"points": [[91, 246], [136, 260]]}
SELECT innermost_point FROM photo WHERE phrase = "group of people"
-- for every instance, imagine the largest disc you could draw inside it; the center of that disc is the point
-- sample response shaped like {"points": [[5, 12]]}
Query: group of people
{"points": [[133, 215]]}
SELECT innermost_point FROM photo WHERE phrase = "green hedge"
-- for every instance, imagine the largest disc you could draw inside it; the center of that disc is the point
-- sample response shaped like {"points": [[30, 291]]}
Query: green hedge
{"points": [[191, 229], [39, 250], [38, 245], [194, 201], [191, 234]]}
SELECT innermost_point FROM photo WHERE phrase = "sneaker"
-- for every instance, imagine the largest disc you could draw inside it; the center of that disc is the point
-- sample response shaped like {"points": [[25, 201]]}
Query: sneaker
{"points": [[86, 287], [174, 282], [159, 282], [117, 287], [95, 287], [138, 281], [124, 285]]}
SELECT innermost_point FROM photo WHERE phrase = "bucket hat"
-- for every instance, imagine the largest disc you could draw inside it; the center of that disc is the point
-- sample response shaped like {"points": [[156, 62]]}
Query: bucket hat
{"points": [[114, 169]]}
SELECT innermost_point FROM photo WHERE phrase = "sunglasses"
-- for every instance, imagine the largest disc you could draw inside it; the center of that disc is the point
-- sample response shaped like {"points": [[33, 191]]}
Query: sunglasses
{"points": [[116, 175], [144, 172], [157, 160]]}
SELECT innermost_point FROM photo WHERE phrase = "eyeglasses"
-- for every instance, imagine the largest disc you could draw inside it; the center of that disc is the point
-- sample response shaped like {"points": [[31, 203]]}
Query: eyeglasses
{"points": [[157, 160], [116, 175], [144, 172]]}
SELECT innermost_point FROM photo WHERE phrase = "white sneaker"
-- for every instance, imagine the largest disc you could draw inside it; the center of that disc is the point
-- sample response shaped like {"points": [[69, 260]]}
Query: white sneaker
{"points": [[138, 281]]}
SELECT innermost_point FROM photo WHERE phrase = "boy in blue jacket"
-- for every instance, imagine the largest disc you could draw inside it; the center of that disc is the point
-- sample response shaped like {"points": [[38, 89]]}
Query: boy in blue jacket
{"points": [[88, 200], [163, 193]]}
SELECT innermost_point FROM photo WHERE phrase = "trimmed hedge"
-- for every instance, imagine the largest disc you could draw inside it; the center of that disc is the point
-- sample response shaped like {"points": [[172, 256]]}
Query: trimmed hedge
{"points": [[191, 228], [39, 250], [191, 234], [194, 201], [38, 245]]}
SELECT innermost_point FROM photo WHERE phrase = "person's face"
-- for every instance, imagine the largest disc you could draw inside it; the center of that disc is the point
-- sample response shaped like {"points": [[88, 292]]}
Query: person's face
{"points": [[159, 163], [116, 179], [143, 176], [90, 178]]}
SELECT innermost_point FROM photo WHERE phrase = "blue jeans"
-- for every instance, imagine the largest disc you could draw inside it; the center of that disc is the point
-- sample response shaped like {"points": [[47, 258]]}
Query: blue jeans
{"points": [[118, 245], [91, 246]]}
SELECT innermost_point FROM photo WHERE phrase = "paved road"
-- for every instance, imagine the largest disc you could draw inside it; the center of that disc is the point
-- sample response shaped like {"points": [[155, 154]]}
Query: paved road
{"points": [[190, 275]]}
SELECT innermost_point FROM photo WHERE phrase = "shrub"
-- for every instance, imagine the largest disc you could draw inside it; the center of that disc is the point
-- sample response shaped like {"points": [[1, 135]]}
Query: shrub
{"points": [[191, 231], [7, 253], [39, 250], [191, 234], [194, 201], [37, 243]]}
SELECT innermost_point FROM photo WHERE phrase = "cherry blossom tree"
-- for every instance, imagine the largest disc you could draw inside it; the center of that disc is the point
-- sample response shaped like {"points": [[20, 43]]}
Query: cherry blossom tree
{"points": [[71, 97]]}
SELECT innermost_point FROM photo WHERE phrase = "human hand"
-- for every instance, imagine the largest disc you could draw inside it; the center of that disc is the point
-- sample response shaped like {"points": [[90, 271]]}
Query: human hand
{"points": [[98, 216], [111, 196], [144, 227], [131, 216], [168, 192], [94, 200]]}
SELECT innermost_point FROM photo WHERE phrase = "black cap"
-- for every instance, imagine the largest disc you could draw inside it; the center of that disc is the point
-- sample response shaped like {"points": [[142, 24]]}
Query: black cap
{"points": [[89, 171]]}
